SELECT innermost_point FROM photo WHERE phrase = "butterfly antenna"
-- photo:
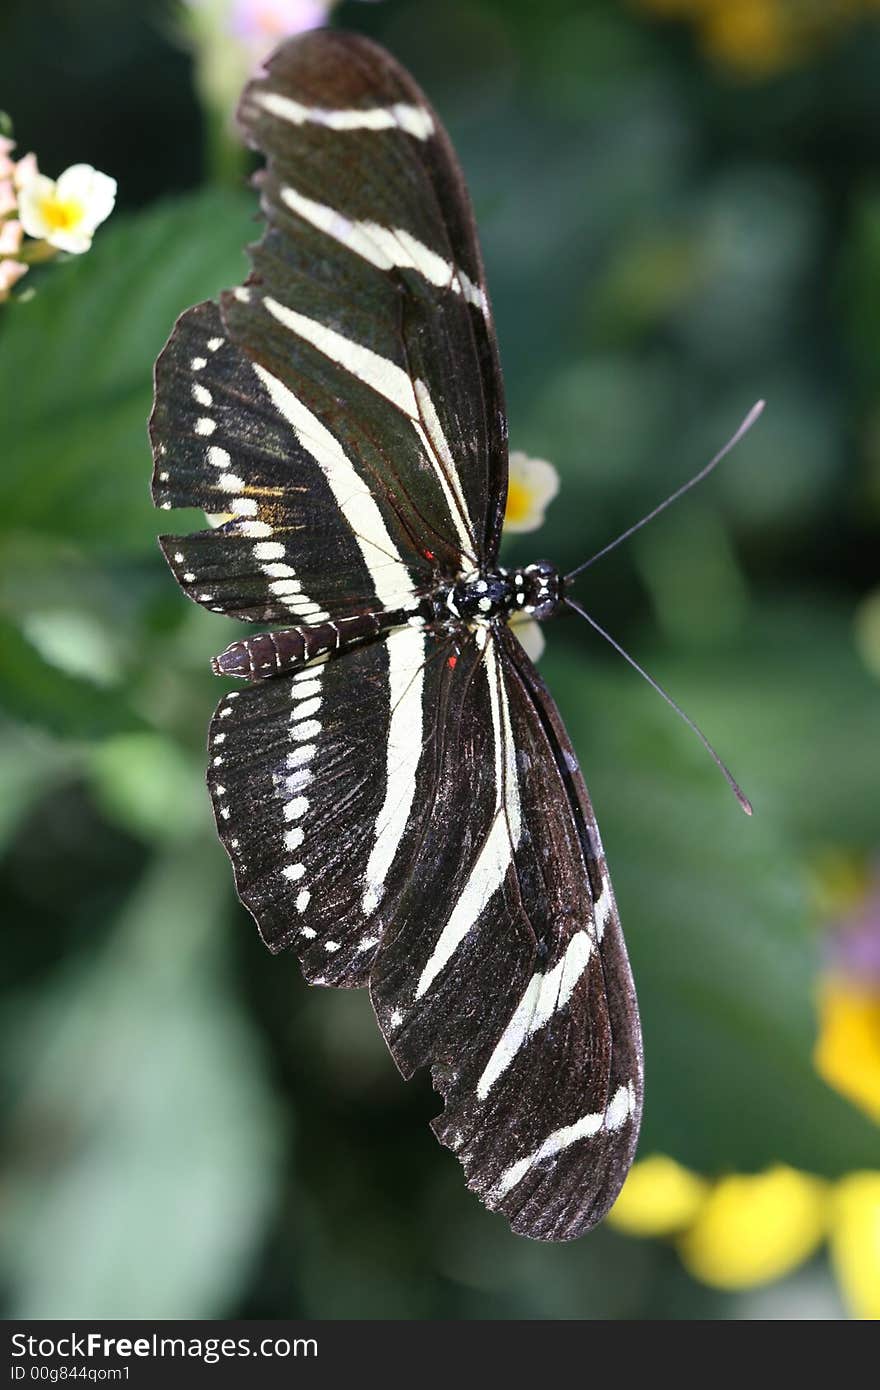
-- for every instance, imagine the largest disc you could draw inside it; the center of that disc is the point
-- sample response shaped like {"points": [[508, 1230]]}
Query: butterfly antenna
{"points": [[744, 428], [731, 780]]}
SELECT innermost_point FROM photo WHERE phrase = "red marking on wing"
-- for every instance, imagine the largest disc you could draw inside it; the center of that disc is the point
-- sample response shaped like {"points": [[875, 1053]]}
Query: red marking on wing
{"points": [[429, 555], [450, 662]]}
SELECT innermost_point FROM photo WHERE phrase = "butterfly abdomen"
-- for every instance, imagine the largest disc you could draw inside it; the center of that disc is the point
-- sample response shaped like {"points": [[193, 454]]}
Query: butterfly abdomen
{"points": [[274, 653]]}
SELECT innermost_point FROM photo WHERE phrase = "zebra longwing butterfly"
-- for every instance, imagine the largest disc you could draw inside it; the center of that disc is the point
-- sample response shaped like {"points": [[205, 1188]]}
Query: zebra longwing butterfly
{"points": [[394, 786]]}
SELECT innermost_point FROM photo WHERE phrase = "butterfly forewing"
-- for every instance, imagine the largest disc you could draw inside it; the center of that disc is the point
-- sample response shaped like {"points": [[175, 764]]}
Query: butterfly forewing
{"points": [[406, 813], [361, 176]]}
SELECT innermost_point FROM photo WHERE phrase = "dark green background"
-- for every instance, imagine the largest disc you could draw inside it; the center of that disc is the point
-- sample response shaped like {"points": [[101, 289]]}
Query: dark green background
{"points": [[192, 1132]]}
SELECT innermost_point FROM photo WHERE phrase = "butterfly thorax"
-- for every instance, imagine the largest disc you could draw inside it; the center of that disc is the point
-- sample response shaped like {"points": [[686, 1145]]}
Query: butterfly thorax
{"points": [[534, 590]]}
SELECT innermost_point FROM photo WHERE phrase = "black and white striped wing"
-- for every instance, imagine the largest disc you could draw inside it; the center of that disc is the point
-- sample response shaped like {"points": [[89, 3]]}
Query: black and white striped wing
{"points": [[343, 410], [504, 967], [322, 783], [407, 813]]}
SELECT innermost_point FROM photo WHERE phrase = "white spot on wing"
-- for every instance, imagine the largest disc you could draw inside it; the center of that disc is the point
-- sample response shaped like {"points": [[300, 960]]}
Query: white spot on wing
{"points": [[308, 707], [306, 688], [310, 728], [300, 756], [603, 909]]}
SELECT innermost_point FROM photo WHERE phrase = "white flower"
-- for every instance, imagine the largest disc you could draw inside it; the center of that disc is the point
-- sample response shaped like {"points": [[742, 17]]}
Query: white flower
{"points": [[530, 634], [25, 170], [10, 272], [265, 22], [10, 238], [66, 213], [6, 164], [532, 484]]}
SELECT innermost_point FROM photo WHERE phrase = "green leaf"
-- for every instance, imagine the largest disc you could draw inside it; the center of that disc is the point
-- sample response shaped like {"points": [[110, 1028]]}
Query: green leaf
{"points": [[714, 905], [76, 369], [145, 1140], [39, 693], [146, 783]]}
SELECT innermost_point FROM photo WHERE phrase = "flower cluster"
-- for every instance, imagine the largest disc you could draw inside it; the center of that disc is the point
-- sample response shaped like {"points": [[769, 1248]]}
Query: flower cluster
{"points": [[57, 215], [746, 1230], [757, 38], [749, 1229]]}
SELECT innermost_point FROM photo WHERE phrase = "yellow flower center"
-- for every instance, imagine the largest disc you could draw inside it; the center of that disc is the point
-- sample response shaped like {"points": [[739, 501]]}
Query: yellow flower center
{"points": [[520, 502], [62, 215]]}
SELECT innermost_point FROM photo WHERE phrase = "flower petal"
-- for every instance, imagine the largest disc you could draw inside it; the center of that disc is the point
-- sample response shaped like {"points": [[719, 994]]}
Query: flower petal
{"points": [[25, 170], [754, 1228], [8, 199], [847, 1053], [532, 484], [10, 272], [94, 191], [855, 1242], [10, 237], [529, 634], [659, 1198], [33, 199]]}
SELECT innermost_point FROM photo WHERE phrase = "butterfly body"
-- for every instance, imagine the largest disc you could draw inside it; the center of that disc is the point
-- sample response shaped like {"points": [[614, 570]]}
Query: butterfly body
{"points": [[469, 603], [394, 786]]}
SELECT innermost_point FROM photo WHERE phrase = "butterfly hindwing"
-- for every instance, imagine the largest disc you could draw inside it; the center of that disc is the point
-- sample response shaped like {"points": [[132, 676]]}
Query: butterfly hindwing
{"points": [[504, 969]]}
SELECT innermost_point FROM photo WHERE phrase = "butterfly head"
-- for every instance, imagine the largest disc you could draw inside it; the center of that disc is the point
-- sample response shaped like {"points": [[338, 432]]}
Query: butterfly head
{"points": [[540, 586]]}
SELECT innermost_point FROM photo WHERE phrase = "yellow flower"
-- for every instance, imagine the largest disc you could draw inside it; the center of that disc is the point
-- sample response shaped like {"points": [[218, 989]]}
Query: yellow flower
{"points": [[532, 484], [760, 37], [659, 1198], [855, 1242], [755, 1228], [753, 36], [847, 1053], [65, 213]]}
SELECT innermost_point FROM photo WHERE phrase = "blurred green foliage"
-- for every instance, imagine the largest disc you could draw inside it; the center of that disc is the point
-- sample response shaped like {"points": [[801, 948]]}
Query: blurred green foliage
{"points": [[192, 1132]]}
